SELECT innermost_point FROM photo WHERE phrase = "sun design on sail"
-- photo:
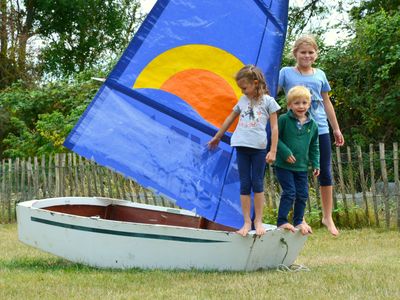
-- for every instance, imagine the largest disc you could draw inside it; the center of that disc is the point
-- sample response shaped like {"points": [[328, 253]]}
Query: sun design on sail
{"points": [[201, 75]]}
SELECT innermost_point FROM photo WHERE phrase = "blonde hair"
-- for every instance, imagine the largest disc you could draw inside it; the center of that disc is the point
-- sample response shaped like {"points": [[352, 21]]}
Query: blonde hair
{"points": [[305, 39], [251, 73], [298, 92]]}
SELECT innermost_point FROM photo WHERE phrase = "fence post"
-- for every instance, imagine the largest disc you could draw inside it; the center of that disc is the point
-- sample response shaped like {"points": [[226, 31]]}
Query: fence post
{"points": [[81, 172], [100, 172], [57, 174], [93, 172], [9, 190], [3, 196], [373, 187], [36, 177], [351, 179], [109, 184], [382, 160], [363, 183], [45, 192], [29, 178], [88, 176], [396, 180], [341, 182], [76, 179], [63, 183], [16, 179], [50, 182], [70, 175]]}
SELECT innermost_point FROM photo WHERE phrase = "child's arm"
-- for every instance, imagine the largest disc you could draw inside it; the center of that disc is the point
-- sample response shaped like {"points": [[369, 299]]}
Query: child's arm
{"points": [[330, 112], [271, 155], [314, 155], [283, 150], [213, 143]]}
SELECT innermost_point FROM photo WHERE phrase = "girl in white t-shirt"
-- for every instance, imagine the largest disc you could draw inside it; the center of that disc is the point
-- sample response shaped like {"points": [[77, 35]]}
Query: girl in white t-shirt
{"points": [[254, 109]]}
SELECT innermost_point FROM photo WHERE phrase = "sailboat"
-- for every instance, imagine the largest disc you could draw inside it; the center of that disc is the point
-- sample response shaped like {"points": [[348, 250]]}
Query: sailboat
{"points": [[150, 121]]}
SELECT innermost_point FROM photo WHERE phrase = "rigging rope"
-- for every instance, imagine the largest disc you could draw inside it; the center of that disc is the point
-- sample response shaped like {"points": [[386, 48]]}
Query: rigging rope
{"points": [[292, 268]]}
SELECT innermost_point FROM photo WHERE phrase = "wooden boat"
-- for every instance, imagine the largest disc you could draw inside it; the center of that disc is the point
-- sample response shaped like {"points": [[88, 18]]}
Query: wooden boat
{"points": [[151, 121], [111, 233]]}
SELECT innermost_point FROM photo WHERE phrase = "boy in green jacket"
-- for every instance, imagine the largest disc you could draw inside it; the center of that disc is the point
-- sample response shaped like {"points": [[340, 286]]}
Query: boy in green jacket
{"points": [[297, 148]]}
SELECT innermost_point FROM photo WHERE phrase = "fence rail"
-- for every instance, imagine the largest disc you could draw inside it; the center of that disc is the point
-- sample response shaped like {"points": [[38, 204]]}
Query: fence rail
{"points": [[366, 189]]}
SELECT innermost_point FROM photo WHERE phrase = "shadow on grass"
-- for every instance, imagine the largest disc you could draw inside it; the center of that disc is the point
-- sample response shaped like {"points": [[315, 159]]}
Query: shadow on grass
{"points": [[59, 264], [42, 264]]}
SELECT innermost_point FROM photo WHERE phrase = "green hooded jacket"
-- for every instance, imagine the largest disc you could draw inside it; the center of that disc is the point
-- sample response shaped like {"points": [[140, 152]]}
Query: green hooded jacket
{"points": [[302, 143]]}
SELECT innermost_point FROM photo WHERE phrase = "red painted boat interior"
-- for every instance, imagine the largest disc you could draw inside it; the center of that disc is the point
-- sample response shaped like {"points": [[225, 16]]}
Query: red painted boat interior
{"points": [[138, 215]]}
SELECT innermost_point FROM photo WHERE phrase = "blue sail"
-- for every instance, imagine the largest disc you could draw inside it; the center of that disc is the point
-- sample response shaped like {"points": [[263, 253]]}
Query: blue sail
{"points": [[171, 90]]}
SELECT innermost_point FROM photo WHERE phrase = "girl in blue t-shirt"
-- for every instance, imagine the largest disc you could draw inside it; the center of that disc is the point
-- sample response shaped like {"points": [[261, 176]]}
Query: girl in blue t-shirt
{"points": [[254, 109], [305, 51]]}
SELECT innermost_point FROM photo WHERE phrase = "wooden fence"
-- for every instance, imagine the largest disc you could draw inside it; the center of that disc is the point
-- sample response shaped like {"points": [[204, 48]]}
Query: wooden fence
{"points": [[366, 185]]}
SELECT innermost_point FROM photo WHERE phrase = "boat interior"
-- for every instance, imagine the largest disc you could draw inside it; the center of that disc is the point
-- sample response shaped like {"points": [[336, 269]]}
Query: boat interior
{"points": [[138, 215]]}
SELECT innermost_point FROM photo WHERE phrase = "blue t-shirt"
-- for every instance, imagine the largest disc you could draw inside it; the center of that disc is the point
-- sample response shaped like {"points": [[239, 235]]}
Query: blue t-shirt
{"points": [[251, 128], [317, 83]]}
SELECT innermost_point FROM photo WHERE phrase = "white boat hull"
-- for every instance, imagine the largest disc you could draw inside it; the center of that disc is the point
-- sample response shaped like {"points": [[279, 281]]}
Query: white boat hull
{"points": [[99, 242]]}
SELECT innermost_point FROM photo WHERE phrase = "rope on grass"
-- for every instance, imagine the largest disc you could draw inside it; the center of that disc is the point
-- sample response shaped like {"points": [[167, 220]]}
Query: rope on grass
{"points": [[293, 268]]}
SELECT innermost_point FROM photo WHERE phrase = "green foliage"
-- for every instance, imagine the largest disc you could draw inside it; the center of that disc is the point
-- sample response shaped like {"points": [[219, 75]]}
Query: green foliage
{"points": [[79, 34], [300, 16], [40, 118], [365, 76], [45, 39], [370, 7]]}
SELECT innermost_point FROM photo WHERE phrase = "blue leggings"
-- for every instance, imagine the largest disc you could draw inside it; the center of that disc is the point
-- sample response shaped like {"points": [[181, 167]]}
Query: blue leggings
{"points": [[325, 150], [251, 165]]}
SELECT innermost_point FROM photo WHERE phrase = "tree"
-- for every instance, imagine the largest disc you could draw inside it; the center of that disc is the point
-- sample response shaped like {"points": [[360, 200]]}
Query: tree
{"points": [[37, 120], [80, 33], [16, 29], [61, 37], [365, 76], [371, 7], [301, 16]]}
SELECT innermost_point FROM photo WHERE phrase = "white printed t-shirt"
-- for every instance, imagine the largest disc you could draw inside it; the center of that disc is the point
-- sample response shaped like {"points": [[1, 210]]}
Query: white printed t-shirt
{"points": [[251, 128]]}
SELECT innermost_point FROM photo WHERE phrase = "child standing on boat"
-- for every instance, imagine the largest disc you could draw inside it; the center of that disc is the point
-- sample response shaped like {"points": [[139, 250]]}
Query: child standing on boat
{"points": [[297, 147], [305, 51], [254, 109]]}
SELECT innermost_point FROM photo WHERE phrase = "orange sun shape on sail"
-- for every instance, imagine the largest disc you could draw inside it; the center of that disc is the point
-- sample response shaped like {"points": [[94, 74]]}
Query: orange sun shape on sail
{"points": [[201, 75]]}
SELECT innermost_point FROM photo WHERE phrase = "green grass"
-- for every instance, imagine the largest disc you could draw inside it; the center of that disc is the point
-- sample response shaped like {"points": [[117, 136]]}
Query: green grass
{"points": [[359, 264]]}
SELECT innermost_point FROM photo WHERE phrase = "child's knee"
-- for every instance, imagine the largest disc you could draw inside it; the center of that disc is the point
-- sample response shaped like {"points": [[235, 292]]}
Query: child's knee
{"points": [[245, 189], [258, 186], [325, 178]]}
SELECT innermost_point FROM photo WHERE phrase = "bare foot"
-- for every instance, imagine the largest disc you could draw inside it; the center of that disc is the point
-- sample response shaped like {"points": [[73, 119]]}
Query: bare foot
{"points": [[331, 226], [260, 230], [288, 226], [245, 229], [304, 228], [308, 227]]}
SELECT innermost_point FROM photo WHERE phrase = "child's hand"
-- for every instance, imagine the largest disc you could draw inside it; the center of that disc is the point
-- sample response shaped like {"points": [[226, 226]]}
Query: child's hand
{"points": [[271, 157], [291, 159], [316, 172], [339, 139], [213, 143]]}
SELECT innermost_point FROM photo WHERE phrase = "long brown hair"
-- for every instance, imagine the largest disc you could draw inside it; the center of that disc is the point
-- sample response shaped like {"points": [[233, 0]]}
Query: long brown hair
{"points": [[251, 73]]}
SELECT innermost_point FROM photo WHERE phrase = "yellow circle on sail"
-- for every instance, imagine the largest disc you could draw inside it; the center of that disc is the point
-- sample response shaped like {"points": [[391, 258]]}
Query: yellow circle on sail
{"points": [[194, 56], [201, 75]]}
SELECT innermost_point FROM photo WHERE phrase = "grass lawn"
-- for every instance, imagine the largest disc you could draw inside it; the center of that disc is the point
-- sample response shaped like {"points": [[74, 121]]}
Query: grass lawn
{"points": [[359, 264]]}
